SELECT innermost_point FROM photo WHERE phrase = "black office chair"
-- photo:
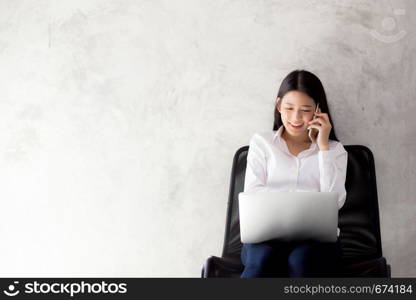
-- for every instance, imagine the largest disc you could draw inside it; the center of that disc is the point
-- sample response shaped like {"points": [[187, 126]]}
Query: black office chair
{"points": [[358, 221]]}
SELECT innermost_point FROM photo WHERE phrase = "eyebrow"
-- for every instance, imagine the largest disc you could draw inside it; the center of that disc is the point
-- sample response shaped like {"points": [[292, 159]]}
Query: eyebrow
{"points": [[301, 105]]}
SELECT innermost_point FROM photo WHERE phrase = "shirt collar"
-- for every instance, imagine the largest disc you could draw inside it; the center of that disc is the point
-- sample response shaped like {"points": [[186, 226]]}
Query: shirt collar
{"points": [[278, 134], [278, 137]]}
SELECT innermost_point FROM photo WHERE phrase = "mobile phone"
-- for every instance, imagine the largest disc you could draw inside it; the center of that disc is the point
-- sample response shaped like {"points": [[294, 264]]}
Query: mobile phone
{"points": [[313, 132]]}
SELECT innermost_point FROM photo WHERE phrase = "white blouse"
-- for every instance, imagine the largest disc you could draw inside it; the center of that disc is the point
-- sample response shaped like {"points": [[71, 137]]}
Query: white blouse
{"points": [[270, 166]]}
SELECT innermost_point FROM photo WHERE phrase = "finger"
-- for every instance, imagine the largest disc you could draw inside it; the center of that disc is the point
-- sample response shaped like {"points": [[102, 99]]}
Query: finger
{"points": [[325, 119], [314, 126], [322, 120], [317, 121], [323, 115]]}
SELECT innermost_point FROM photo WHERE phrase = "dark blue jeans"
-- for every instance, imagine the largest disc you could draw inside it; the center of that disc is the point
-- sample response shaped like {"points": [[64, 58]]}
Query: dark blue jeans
{"points": [[276, 258]]}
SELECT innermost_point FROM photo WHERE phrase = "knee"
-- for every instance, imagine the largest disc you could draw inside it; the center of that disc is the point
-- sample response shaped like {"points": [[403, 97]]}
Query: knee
{"points": [[300, 260], [257, 255], [310, 260]]}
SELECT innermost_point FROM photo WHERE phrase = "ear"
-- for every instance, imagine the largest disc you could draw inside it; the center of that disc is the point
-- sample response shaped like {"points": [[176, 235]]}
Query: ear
{"points": [[278, 103]]}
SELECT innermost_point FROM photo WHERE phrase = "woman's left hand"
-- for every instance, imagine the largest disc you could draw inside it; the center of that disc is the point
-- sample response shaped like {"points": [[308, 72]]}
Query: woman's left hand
{"points": [[322, 124]]}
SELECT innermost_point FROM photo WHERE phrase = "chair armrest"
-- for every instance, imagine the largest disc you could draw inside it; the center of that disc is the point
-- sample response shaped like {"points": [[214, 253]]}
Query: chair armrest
{"points": [[216, 266], [376, 267]]}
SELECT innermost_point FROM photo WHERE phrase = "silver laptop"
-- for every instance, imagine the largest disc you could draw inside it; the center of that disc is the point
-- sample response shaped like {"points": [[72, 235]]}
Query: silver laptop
{"points": [[288, 216]]}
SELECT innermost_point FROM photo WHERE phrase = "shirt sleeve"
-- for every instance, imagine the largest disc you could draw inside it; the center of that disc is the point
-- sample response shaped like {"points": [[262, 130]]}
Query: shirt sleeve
{"points": [[333, 171], [256, 170]]}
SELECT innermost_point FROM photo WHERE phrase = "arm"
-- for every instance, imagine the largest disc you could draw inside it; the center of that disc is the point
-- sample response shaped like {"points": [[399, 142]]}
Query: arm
{"points": [[256, 171], [333, 171]]}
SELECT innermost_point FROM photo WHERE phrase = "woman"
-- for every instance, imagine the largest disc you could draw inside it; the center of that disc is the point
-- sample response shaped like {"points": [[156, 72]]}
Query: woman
{"points": [[287, 158]]}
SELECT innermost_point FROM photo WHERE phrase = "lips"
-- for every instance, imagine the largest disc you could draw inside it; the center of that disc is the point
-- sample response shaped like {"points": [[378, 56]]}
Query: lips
{"points": [[296, 127]]}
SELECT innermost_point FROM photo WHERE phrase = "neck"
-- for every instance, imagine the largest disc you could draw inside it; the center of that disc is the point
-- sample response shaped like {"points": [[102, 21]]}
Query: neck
{"points": [[304, 139]]}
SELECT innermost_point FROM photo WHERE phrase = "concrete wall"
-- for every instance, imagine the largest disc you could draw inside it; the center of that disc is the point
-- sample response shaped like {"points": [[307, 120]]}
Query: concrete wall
{"points": [[119, 120]]}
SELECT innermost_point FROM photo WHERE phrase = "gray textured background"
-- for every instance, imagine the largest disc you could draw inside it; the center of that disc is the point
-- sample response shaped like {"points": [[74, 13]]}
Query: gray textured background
{"points": [[119, 120]]}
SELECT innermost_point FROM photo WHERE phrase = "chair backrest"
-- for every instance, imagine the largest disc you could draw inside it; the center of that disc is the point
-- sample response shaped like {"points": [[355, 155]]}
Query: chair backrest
{"points": [[358, 218]]}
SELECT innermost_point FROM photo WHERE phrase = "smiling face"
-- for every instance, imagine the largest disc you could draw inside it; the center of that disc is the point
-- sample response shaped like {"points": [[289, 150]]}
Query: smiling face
{"points": [[296, 109]]}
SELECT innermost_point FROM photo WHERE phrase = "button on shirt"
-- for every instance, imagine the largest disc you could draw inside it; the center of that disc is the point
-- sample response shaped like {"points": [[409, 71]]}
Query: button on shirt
{"points": [[270, 166]]}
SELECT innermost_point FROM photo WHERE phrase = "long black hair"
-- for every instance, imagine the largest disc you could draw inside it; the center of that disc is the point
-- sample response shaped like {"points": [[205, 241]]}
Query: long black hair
{"points": [[308, 83]]}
